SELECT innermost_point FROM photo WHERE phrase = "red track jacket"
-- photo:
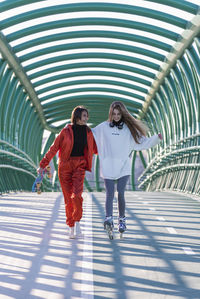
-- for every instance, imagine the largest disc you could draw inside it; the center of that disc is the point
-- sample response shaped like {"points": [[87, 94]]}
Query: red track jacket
{"points": [[64, 143]]}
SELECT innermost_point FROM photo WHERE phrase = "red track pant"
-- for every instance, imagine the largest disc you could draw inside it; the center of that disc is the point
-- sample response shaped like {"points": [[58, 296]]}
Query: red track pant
{"points": [[71, 175]]}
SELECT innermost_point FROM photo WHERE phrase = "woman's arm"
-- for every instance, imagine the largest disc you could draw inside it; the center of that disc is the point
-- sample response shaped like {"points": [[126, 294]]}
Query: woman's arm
{"points": [[51, 152], [147, 142]]}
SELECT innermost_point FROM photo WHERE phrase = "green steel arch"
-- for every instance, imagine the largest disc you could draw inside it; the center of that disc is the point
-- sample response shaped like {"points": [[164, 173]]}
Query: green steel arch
{"points": [[56, 56]]}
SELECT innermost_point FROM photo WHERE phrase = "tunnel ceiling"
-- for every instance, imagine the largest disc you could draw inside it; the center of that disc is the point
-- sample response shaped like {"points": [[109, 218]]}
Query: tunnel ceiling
{"points": [[94, 52]]}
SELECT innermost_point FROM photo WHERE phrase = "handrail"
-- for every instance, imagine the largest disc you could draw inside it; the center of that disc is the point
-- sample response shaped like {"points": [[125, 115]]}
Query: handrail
{"points": [[24, 171], [15, 148], [160, 156], [17, 168], [180, 166], [164, 156], [18, 157]]}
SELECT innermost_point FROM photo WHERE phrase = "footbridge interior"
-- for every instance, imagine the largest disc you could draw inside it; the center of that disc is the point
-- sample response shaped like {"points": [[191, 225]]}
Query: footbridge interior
{"points": [[55, 55]]}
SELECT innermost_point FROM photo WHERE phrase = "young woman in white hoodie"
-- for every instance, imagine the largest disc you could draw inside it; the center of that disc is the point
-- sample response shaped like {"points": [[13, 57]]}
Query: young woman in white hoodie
{"points": [[116, 139]]}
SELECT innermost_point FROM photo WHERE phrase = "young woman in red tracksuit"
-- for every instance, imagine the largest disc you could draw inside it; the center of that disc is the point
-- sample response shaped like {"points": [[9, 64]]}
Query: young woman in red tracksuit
{"points": [[76, 146]]}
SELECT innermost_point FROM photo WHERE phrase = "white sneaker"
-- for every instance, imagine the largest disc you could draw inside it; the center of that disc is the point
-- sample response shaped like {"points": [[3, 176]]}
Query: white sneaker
{"points": [[78, 231], [71, 233]]}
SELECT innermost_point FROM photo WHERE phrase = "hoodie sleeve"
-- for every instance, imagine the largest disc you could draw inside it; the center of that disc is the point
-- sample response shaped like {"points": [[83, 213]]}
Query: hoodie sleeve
{"points": [[146, 143], [97, 133]]}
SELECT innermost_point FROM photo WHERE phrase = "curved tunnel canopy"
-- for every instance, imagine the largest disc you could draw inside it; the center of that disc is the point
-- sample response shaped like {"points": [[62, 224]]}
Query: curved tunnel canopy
{"points": [[93, 52], [57, 55]]}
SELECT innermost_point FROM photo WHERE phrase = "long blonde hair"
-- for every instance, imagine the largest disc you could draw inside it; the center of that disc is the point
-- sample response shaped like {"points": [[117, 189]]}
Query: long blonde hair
{"points": [[137, 127]]}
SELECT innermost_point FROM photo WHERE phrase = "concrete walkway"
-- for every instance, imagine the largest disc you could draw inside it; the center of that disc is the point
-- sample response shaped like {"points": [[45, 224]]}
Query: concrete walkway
{"points": [[158, 258]]}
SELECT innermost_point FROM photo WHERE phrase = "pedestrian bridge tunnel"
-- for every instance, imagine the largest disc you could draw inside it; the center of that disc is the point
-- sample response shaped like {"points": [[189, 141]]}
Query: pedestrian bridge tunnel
{"points": [[57, 55]]}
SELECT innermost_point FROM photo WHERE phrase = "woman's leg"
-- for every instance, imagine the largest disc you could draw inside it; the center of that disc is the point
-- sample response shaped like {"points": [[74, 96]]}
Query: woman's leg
{"points": [[78, 176], [65, 178], [110, 186], [121, 185]]}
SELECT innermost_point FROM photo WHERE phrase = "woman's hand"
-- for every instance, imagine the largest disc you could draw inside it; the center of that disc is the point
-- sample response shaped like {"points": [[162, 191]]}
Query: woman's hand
{"points": [[40, 170], [160, 136]]}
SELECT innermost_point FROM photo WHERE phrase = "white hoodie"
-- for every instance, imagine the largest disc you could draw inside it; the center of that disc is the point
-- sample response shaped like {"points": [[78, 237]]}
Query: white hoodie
{"points": [[115, 147]]}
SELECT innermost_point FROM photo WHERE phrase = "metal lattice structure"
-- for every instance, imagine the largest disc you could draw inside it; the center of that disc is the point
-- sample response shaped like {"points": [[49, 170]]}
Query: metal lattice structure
{"points": [[55, 56]]}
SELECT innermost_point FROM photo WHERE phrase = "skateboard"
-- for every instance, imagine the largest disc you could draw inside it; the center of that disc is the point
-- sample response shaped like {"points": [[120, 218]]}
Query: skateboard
{"points": [[38, 181]]}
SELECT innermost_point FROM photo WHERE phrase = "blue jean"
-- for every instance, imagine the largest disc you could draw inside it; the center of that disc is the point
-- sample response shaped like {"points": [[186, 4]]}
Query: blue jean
{"points": [[110, 190]]}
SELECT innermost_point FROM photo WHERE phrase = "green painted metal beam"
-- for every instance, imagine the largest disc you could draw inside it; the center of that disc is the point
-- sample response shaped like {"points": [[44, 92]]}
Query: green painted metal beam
{"points": [[105, 7], [93, 45], [115, 67], [105, 74], [123, 23], [14, 63], [92, 34], [180, 46]]}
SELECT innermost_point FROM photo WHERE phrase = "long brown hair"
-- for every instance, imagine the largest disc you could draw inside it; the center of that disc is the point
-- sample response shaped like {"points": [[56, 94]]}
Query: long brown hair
{"points": [[137, 127]]}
